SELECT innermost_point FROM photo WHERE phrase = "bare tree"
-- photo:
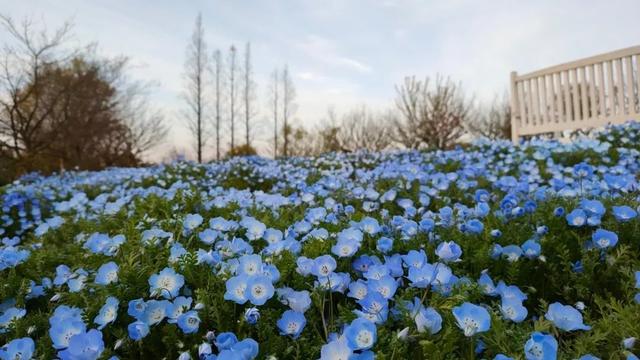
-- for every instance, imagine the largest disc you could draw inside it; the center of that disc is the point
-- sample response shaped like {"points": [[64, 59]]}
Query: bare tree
{"points": [[362, 129], [288, 107], [23, 109], [275, 104], [196, 67], [248, 94], [233, 68], [493, 122], [217, 75], [431, 117]]}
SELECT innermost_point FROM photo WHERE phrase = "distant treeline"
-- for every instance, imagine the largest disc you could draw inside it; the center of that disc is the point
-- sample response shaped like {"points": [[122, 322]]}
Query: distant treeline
{"points": [[68, 108]]}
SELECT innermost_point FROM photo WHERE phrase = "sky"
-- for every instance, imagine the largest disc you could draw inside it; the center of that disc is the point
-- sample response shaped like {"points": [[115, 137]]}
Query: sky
{"points": [[342, 53]]}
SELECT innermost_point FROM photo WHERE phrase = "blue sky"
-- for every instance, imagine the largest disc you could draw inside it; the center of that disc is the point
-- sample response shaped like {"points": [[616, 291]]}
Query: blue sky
{"points": [[344, 53]]}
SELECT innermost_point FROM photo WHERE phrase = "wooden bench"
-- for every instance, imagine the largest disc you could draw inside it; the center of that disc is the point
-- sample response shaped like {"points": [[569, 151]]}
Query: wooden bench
{"points": [[582, 94]]}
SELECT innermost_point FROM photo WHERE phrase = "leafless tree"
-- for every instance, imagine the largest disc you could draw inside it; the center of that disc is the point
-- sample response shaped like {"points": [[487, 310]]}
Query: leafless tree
{"points": [[430, 116], [233, 94], [274, 103], [493, 122], [24, 111], [248, 93], [196, 68], [363, 129], [288, 107], [218, 80]]}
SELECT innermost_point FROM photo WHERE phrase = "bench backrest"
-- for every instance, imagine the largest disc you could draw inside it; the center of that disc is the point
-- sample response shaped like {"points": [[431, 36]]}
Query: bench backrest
{"points": [[582, 94]]}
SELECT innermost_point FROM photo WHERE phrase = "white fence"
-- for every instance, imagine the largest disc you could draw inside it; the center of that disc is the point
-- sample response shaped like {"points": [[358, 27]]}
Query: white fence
{"points": [[592, 92]]}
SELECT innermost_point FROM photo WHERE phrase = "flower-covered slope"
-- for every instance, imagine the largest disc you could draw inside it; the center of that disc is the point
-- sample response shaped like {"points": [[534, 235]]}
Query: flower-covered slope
{"points": [[491, 251]]}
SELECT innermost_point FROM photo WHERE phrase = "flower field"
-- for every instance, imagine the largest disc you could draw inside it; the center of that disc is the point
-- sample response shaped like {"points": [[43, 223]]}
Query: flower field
{"points": [[489, 251]]}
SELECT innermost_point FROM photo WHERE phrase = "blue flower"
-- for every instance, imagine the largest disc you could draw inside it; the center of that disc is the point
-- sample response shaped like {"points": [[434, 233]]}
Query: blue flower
{"points": [[156, 311], [252, 315], [448, 251], [323, 265], [604, 239], [61, 331], [565, 317], [259, 289], [531, 249], [84, 346], [22, 348], [423, 276], [474, 226], [385, 286], [108, 313], [513, 310], [471, 318], [178, 307], [167, 283], [577, 218], [511, 252], [237, 289], [336, 349], [361, 334], [225, 340], [624, 213], [428, 319], [191, 222], [189, 322], [345, 247], [384, 244], [541, 347], [291, 323], [250, 265], [486, 284], [138, 330], [107, 274]]}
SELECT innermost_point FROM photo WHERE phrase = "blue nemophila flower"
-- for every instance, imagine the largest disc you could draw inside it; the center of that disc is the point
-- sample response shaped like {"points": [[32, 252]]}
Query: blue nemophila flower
{"points": [[259, 289], [471, 318], [486, 284], [87, 346], [624, 213], [156, 311], [225, 340], [474, 226], [448, 251], [237, 289], [167, 283], [558, 212], [108, 313], [385, 286], [603, 239], [588, 357], [423, 276], [18, 349], [189, 322], [427, 319], [565, 317], [138, 330], [415, 258], [384, 244], [191, 222], [249, 265], [252, 315], [65, 323], [361, 334], [541, 347], [107, 274], [577, 218], [291, 323], [511, 252], [531, 249], [336, 349], [513, 309], [345, 247], [323, 266], [582, 170]]}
